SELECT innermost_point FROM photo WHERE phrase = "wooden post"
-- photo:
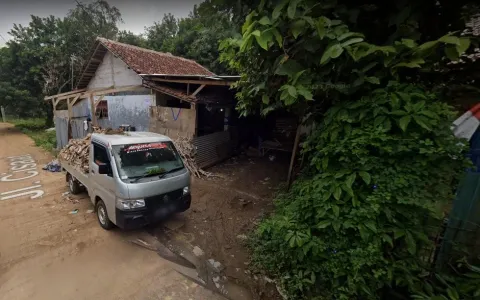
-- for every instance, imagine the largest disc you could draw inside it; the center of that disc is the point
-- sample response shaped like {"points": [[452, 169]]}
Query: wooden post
{"points": [[2, 110], [93, 111], [292, 160]]}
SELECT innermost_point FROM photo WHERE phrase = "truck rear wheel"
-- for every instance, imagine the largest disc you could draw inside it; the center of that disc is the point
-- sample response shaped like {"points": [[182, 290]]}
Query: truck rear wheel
{"points": [[73, 185], [102, 216]]}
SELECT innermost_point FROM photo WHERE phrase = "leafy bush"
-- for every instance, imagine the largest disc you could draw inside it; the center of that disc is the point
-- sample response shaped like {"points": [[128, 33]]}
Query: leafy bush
{"points": [[355, 225], [29, 124]]}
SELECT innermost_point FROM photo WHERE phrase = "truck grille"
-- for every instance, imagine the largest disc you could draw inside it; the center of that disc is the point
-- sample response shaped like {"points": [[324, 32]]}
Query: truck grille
{"points": [[163, 199]]}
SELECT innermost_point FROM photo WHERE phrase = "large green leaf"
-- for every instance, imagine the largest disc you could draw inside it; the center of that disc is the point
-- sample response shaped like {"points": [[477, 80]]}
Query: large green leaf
{"points": [[403, 123], [265, 99], [352, 41], [371, 225], [409, 43], [336, 51], [323, 224], [464, 44], [298, 27], [422, 121], [450, 39], [292, 8], [278, 37], [292, 91], [411, 244], [305, 93], [427, 45], [451, 52], [265, 20], [337, 193], [365, 176], [263, 39], [277, 11], [336, 211], [351, 179]]}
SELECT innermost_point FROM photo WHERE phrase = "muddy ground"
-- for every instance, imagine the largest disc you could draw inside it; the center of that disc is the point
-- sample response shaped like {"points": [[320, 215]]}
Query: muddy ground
{"points": [[224, 210]]}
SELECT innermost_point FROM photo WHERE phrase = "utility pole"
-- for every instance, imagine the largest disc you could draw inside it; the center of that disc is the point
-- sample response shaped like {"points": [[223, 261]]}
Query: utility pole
{"points": [[72, 59]]}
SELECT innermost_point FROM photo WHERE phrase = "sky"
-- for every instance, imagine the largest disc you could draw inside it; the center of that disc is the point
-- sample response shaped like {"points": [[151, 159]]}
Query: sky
{"points": [[136, 14]]}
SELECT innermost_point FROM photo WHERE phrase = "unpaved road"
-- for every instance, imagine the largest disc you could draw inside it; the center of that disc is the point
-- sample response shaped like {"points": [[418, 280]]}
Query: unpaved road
{"points": [[47, 253]]}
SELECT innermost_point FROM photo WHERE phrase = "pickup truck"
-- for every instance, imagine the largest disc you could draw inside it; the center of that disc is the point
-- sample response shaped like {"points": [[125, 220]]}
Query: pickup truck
{"points": [[133, 179]]}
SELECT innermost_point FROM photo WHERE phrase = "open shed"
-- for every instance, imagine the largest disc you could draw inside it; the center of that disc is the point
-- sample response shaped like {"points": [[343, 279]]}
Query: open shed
{"points": [[125, 85]]}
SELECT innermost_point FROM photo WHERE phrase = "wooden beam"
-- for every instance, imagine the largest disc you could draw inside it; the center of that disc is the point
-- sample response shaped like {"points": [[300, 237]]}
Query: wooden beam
{"points": [[198, 90], [119, 89], [188, 89], [64, 94], [98, 101], [292, 160], [93, 112], [74, 100], [206, 82]]}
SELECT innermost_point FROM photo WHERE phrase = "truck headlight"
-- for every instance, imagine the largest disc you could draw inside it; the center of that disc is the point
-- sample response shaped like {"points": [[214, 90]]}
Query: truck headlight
{"points": [[186, 190], [129, 204]]}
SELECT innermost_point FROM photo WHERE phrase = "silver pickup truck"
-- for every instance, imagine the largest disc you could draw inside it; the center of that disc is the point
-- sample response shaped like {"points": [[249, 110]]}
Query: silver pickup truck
{"points": [[133, 179]]}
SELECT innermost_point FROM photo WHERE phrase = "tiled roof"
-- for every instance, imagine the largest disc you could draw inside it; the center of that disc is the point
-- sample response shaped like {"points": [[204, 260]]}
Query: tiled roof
{"points": [[140, 60], [145, 61]]}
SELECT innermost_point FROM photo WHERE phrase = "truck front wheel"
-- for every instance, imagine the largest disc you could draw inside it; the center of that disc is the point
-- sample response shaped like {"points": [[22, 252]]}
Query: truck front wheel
{"points": [[73, 185], [102, 216]]}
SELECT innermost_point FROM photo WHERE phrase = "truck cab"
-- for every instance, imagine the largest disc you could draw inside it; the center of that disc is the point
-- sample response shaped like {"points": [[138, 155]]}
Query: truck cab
{"points": [[135, 179]]}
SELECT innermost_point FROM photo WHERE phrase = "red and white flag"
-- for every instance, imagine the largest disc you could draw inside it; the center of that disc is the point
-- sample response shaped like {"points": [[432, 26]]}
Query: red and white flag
{"points": [[467, 124]]}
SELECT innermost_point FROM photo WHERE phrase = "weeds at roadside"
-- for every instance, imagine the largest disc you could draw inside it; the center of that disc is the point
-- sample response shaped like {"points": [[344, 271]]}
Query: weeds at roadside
{"points": [[35, 128]]}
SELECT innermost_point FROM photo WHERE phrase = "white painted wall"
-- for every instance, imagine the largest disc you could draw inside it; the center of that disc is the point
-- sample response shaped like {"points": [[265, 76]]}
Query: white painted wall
{"points": [[112, 71]]}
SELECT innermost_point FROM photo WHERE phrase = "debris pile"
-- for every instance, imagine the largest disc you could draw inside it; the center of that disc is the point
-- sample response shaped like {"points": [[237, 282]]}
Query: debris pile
{"points": [[77, 150], [187, 151]]}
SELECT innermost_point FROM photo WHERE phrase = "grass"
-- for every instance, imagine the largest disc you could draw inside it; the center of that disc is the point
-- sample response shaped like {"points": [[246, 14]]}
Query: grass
{"points": [[36, 129]]}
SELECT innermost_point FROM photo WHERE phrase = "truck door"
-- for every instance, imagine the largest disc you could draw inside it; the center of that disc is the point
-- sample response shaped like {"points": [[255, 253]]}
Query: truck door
{"points": [[104, 184]]}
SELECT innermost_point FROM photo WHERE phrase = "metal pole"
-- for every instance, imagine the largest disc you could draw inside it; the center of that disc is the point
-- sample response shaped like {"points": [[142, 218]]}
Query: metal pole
{"points": [[3, 114]]}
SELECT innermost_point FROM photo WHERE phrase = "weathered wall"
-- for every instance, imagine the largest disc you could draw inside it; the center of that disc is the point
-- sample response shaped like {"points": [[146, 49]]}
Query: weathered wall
{"points": [[172, 121], [130, 110], [113, 72]]}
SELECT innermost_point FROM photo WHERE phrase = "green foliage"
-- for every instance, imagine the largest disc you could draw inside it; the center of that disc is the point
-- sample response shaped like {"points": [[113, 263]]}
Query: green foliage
{"points": [[38, 59], [293, 52], [381, 170], [464, 283], [35, 129]]}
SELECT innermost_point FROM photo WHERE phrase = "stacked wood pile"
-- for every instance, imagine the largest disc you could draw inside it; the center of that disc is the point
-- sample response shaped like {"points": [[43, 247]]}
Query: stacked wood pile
{"points": [[187, 151], [77, 151]]}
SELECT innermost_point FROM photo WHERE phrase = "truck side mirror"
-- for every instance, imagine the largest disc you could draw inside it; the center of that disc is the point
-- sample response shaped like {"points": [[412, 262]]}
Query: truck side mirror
{"points": [[103, 169]]}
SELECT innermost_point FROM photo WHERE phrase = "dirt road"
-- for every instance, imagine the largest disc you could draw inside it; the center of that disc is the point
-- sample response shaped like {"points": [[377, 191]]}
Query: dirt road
{"points": [[48, 253]]}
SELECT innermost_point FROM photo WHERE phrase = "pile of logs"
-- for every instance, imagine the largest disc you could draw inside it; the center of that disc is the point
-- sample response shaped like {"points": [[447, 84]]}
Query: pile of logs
{"points": [[187, 151], [77, 153], [77, 150]]}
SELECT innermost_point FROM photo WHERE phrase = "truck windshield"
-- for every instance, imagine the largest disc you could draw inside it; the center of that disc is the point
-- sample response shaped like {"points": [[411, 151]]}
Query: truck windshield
{"points": [[140, 160]]}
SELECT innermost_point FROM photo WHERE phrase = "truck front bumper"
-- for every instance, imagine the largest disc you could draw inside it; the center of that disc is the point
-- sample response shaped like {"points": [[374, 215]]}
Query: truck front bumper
{"points": [[152, 213]]}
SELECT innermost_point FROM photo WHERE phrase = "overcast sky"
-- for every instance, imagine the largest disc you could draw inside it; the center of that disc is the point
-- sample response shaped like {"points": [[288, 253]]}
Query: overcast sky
{"points": [[136, 14]]}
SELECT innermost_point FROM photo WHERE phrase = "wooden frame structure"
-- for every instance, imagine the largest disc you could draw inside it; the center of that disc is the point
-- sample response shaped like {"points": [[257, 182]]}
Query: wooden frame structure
{"points": [[73, 96]]}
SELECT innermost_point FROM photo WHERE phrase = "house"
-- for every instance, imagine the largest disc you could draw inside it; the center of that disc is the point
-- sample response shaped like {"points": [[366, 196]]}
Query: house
{"points": [[125, 85]]}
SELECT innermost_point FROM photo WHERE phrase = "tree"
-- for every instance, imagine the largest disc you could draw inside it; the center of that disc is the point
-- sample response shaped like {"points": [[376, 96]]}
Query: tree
{"points": [[131, 38], [355, 221], [40, 57]]}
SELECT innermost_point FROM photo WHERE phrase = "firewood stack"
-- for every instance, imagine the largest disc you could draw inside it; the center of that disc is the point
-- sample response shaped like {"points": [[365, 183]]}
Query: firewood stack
{"points": [[77, 150], [187, 151]]}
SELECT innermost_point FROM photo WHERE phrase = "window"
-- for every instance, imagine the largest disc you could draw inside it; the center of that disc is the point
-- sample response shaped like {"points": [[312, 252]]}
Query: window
{"points": [[139, 160], [100, 155], [102, 110]]}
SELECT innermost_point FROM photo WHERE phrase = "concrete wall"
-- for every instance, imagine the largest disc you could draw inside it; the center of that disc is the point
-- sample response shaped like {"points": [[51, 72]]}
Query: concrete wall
{"points": [[172, 121], [130, 110], [113, 72]]}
